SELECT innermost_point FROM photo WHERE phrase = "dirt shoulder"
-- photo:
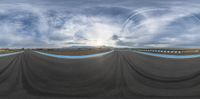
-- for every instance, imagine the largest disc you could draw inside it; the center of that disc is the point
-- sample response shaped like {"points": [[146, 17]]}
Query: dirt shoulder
{"points": [[77, 52]]}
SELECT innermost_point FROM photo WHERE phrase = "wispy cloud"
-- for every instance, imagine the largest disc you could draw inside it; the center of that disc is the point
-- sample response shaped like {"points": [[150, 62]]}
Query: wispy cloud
{"points": [[114, 23], [163, 27]]}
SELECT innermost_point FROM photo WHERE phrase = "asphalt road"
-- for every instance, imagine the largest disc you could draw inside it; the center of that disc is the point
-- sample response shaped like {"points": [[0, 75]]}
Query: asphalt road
{"points": [[120, 74]]}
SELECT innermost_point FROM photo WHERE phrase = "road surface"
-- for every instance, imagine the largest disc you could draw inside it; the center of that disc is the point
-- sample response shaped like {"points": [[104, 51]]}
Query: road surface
{"points": [[120, 74]]}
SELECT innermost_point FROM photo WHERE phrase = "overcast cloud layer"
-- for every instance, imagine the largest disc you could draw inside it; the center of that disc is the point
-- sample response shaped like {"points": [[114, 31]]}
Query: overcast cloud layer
{"points": [[131, 23]]}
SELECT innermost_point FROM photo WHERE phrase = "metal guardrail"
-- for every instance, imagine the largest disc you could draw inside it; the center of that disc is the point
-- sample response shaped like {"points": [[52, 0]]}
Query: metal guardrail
{"points": [[169, 51]]}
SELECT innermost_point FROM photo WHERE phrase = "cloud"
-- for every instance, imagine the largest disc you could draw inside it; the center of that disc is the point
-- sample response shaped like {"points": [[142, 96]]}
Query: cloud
{"points": [[21, 25], [24, 25], [164, 27], [91, 30], [131, 23]]}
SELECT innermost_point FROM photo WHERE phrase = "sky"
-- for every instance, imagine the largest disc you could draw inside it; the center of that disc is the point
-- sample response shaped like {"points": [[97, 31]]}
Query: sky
{"points": [[117, 23]]}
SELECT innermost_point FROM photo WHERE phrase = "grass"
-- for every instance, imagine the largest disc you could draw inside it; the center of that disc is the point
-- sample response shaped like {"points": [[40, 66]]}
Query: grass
{"points": [[5, 51]]}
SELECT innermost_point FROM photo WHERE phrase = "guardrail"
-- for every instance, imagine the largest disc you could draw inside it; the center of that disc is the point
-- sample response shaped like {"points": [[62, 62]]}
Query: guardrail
{"points": [[8, 54], [170, 51]]}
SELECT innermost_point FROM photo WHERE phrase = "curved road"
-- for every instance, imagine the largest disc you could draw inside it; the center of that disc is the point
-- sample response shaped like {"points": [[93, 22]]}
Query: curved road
{"points": [[120, 74]]}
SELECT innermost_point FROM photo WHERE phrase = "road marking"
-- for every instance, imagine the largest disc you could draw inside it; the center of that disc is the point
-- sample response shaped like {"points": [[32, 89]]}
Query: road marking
{"points": [[74, 57], [8, 54]]}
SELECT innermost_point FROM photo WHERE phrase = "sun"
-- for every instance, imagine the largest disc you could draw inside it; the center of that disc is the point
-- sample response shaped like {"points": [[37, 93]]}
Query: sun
{"points": [[101, 43], [96, 43]]}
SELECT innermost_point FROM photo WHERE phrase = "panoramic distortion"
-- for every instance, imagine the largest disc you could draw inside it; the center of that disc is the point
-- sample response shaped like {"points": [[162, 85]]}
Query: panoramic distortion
{"points": [[67, 49]]}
